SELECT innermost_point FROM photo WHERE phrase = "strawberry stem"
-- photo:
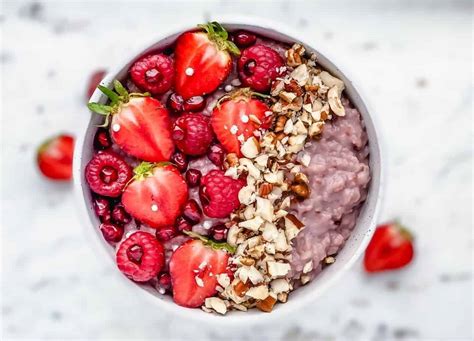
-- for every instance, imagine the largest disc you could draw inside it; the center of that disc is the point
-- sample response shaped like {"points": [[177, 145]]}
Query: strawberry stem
{"points": [[215, 245], [219, 36]]}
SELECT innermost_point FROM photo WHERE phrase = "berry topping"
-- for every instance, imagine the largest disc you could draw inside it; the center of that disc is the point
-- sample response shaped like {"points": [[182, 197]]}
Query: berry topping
{"points": [[111, 232], [216, 154], [166, 233], [180, 161], [54, 157], [192, 212], [193, 269], [244, 38], [182, 224], [164, 281], [219, 232], [192, 133], [120, 216], [178, 104], [153, 73], [107, 174], [156, 195], [102, 209], [193, 177], [219, 194], [94, 81], [140, 257], [102, 139], [258, 66], [237, 118], [203, 61], [391, 248], [140, 125]]}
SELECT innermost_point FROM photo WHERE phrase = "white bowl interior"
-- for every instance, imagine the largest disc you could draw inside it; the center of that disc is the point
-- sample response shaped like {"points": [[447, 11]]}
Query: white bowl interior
{"points": [[355, 245]]}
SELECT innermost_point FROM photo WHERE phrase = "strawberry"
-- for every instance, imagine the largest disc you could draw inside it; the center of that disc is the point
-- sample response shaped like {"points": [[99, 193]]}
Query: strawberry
{"points": [[156, 195], [390, 248], [202, 60], [193, 269], [237, 117], [54, 157], [141, 125]]}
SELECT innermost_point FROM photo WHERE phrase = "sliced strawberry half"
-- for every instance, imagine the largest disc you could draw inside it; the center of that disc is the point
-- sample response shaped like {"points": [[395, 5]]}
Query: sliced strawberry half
{"points": [[202, 60], [237, 117], [156, 195], [193, 269], [141, 125], [391, 248]]}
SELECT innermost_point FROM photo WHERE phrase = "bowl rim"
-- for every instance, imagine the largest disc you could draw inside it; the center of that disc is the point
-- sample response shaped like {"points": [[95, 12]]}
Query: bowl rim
{"points": [[310, 295]]}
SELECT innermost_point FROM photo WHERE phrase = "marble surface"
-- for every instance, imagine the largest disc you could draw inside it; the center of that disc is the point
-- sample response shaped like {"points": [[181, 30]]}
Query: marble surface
{"points": [[413, 60]]}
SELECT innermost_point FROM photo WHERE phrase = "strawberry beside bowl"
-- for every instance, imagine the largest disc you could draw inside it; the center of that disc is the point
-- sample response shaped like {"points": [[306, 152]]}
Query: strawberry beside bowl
{"points": [[354, 245]]}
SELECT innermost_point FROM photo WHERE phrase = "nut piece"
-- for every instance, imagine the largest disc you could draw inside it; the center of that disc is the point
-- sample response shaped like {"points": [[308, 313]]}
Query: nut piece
{"points": [[280, 285], [267, 304], [278, 269], [280, 123], [282, 297], [259, 293], [250, 148], [265, 189], [301, 190], [232, 160], [241, 288], [335, 102], [216, 304]]}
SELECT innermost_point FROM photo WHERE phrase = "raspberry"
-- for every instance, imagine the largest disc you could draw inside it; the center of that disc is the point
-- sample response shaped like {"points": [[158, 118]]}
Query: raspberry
{"points": [[107, 174], [140, 257], [258, 66], [219, 194], [153, 73], [192, 133]]}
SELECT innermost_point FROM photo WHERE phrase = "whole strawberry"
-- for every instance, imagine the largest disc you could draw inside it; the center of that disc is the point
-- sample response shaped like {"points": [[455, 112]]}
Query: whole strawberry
{"points": [[219, 194], [54, 157], [141, 125], [391, 248], [192, 133], [156, 195], [202, 60], [237, 117]]}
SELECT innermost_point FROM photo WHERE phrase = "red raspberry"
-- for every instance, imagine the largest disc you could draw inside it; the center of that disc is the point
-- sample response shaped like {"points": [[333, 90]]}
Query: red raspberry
{"points": [[107, 174], [192, 133], [258, 66], [153, 73], [140, 257], [219, 194]]}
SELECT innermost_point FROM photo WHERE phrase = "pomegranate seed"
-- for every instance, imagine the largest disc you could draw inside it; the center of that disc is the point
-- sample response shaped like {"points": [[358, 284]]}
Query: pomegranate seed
{"points": [[216, 154], [183, 225], [108, 174], [135, 253], [175, 102], [120, 216], [164, 281], [166, 233], [193, 177], [102, 208], [111, 232], [180, 161], [195, 103], [219, 232], [102, 139], [244, 38], [192, 212]]}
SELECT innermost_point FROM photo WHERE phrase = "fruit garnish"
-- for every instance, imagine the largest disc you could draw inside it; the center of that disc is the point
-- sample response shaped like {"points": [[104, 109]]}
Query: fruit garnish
{"points": [[107, 174], [192, 133], [193, 104], [193, 269], [156, 195], [94, 81], [102, 139], [153, 73], [54, 157], [237, 116], [111, 232], [213, 244], [219, 194], [140, 257], [216, 154], [180, 161], [391, 248], [244, 38], [193, 177], [203, 60], [102, 209], [258, 66], [141, 125], [120, 215], [192, 212]]}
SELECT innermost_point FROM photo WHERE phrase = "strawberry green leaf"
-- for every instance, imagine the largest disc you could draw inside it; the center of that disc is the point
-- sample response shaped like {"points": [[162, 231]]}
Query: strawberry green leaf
{"points": [[100, 109], [233, 48], [114, 98], [215, 245], [143, 170], [120, 89]]}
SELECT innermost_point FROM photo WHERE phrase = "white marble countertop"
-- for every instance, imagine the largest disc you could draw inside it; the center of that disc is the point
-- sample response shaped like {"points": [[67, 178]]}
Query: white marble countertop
{"points": [[412, 58]]}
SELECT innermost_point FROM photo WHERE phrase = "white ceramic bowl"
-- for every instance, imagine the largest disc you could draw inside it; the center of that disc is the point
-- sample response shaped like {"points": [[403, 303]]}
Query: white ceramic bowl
{"points": [[355, 245]]}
